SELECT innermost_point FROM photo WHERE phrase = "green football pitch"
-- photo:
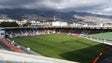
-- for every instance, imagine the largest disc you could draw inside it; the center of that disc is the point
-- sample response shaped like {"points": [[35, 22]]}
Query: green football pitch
{"points": [[63, 47], [107, 35]]}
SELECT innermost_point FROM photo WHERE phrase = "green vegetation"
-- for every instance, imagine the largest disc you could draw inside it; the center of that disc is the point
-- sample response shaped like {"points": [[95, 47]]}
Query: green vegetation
{"points": [[63, 47], [8, 24], [107, 35], [27, 24]]}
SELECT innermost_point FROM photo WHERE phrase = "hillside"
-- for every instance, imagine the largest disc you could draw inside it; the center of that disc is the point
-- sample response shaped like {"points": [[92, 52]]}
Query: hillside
{"points": [[32, 14]]}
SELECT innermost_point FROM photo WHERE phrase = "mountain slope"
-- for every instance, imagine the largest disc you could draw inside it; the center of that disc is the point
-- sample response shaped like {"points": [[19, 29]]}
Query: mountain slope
{"points": [[32, 14]]}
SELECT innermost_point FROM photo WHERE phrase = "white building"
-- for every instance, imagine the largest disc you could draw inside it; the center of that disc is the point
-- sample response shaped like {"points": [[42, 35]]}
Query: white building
{"points": [[92, 19], [58, 23], [21, 22], [7, 20]]}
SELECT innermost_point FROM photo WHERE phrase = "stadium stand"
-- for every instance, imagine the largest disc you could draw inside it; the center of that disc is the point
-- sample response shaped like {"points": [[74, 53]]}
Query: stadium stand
{"points": [[3, 47], [11, 46], [107, 60], [32, 32], [13, 57], [105, 56], [83, 32]]}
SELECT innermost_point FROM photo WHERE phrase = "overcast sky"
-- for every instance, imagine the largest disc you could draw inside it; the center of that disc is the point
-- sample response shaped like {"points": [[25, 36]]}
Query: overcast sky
{"points": [[93, 6]]}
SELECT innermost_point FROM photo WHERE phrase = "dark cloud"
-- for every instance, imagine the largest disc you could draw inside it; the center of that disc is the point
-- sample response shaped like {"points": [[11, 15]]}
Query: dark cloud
{"points": [[60, 5], [15, 3]]}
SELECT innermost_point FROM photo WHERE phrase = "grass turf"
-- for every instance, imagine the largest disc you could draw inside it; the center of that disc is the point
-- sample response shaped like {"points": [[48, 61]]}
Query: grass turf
{"points": [[107, 35], [63, 47]]}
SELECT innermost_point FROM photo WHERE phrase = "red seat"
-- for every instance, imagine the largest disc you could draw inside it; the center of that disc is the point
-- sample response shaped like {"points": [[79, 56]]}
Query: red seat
{"points": [[12, 47]]}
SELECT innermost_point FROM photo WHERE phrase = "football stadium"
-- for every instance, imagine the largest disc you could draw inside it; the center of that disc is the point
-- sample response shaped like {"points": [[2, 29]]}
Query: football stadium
{"points": [[56, 44], [55, 31]]}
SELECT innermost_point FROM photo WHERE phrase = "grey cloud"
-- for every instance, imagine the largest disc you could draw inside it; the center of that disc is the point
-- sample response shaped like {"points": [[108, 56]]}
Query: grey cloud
{"points": [[16, 2], [68, 5]]}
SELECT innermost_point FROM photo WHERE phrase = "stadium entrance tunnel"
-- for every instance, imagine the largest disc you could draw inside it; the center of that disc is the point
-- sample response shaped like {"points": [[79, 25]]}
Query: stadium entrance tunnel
{"points": [[84, 55]]}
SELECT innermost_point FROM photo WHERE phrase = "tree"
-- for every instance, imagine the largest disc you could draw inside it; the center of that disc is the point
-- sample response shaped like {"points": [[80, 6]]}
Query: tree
{"points": [[27, 24], [8, 24]]}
